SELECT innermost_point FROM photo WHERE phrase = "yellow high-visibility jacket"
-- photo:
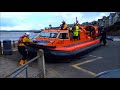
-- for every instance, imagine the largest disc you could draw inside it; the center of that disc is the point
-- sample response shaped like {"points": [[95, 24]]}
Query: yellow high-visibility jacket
{"points": [[24, 41], [75, 32]]}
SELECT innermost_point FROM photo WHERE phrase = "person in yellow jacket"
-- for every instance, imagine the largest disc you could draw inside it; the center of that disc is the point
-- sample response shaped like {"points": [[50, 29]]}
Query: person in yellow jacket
{"points": [[22, 42], [76, 32], [64, 26]]}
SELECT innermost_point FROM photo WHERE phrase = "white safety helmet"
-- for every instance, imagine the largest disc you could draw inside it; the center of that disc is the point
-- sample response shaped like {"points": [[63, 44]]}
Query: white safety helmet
{"points": [[27, 33]]}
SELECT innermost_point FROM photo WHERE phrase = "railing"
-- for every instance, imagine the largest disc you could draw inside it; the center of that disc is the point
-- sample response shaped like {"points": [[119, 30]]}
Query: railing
{"points": [[41, 66], [0, 48], [14, 43]]}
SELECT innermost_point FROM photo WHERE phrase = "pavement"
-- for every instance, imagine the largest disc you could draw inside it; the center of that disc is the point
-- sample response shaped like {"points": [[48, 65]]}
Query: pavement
{"points": [[114, 38], [101, 59]]}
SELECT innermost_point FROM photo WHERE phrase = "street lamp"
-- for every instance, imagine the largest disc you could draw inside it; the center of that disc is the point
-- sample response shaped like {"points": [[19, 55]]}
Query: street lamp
{"points": [[103, 22]]}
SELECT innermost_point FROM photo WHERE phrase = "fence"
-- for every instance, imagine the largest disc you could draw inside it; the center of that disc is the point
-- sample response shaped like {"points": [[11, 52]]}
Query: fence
{"points": [[41, 66], [0, 48]]}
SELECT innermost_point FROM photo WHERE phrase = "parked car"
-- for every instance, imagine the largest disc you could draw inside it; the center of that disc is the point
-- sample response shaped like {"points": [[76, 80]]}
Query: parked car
{"points": [[109, 74]]}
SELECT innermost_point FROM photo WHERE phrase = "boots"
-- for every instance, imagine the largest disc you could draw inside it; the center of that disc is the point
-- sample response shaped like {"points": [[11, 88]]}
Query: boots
{"points": [[106, 44], [21, 62], [25, 61]]}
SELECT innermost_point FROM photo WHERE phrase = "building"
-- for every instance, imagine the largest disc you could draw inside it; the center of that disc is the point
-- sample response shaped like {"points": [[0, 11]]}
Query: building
{"points": [[116, 18], [85, 23], [100, 22], [111, 18], [106, 23], [94, 23]]}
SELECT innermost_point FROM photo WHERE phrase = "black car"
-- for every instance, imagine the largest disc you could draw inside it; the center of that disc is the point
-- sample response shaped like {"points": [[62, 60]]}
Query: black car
{"points": [[109, 74]]}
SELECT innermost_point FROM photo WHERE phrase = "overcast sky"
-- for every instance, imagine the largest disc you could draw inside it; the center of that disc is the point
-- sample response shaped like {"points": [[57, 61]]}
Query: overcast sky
{"points": [[39, 20]]}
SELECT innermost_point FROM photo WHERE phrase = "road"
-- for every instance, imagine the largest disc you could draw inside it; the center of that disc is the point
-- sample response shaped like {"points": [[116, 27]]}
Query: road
{"points": [[101, 59]]}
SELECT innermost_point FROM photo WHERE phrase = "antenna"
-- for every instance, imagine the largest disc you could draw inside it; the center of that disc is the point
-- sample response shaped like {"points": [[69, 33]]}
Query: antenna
{"points": [[76, 21]]}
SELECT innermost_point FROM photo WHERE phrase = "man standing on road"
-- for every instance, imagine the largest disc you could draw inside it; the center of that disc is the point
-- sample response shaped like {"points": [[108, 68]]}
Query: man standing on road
{"points": [[103, 37]]}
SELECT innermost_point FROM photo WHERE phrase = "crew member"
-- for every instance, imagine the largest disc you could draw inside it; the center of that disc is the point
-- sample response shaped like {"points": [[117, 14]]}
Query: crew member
{"points": [[76, 32], [22, 42], [64, 26], [103, 37]]}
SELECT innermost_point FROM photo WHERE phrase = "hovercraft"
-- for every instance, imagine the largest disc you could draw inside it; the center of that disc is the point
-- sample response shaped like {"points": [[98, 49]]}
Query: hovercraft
{"points": [[59, 44]]}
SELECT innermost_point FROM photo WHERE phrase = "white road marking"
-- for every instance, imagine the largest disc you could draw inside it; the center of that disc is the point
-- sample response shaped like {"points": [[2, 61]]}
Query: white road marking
{"points": [[77, 66], [116, 39], [92, 55]]}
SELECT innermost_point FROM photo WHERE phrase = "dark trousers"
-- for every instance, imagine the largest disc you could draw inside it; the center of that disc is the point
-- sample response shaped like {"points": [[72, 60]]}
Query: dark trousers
{"points": [[32, 52], [103, 40], [75, 37], [23, 51], [27, 52]]}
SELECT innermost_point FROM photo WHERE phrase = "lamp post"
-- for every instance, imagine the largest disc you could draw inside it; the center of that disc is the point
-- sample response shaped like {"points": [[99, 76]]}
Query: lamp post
{"points": [[103, 22]]}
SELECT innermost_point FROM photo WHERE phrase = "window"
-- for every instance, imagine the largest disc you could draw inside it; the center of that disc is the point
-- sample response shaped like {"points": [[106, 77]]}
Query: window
{"points": [[48, 34], [63, 36], [53, 35]]}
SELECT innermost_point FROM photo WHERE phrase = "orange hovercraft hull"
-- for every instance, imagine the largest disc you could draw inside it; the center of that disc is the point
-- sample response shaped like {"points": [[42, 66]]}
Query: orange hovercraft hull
{"points": [[71, 51]]}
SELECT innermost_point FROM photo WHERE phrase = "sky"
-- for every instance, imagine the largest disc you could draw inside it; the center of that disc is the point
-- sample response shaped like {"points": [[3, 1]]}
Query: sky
{"points": [[40, 20]]}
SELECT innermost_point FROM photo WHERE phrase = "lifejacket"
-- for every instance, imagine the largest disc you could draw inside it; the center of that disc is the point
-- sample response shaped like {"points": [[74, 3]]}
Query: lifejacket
{"points": [[77, 28], [21, 39], [75, 32]]}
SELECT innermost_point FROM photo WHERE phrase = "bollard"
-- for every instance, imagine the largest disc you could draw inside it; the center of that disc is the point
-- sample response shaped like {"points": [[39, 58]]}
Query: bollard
{"points": [[13, 44], [41, 63], [0, 48], [7, 47]]}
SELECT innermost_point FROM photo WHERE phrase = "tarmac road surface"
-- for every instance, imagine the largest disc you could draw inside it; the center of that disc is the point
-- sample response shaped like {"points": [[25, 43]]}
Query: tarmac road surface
{"points": [[99, 60]]}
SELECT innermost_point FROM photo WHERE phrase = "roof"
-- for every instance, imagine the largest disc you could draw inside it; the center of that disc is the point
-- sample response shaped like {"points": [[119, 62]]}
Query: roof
{"points": [[118, 12], [104, 17], [70, 25], [119, 15], [112, 14], [99, 19], [108, 16]]}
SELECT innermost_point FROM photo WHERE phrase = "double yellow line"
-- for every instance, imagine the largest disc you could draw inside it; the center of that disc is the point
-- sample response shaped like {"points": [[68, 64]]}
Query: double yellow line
{"points": [[77, 66]]}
